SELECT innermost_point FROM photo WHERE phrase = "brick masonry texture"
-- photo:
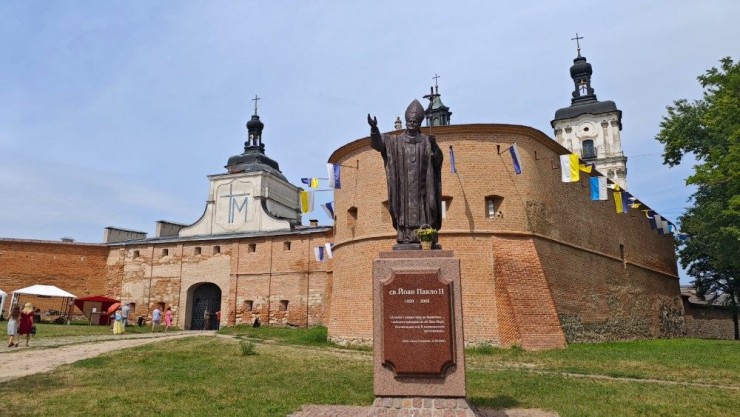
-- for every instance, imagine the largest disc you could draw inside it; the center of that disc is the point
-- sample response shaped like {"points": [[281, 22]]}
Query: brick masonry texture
{"points": [[709, 322], [74, 267], [552, 267], [260, 271]]}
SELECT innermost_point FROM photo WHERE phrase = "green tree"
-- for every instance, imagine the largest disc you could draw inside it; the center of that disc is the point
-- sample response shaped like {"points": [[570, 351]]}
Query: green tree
{"points": [[709, 129]]}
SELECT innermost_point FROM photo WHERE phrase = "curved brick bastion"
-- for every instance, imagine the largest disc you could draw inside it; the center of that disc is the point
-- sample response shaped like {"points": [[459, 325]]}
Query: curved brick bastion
{"points": [[541, 264]]}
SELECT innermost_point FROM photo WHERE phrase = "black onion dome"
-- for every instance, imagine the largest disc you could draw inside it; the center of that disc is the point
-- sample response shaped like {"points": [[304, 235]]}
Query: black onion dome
{"points": [[581, 68], [254, 159], [255, 124]]}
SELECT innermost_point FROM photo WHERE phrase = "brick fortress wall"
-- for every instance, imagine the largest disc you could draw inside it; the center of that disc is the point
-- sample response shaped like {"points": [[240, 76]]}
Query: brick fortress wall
{"points": [[77, 268], [551, 265], [266, 271], [709, 322]]}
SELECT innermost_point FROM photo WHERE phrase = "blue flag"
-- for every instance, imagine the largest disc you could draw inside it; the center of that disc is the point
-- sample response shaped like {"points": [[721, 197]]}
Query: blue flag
{"points": [[625, 202], [329, 209], [598, 188], [515, 158], [334, 176], [318, 253], [453, 169]]}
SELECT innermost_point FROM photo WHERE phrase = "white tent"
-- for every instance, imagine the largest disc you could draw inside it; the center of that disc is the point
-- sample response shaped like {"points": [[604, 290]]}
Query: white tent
{"points": [[39, 290]]}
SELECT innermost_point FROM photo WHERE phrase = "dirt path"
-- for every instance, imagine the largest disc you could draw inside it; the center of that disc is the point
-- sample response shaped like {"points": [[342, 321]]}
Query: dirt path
{"points": [[45, 355]]}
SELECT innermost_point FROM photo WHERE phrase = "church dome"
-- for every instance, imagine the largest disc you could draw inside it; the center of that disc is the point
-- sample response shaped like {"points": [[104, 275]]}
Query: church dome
{"points": [[255, 124], [581, 68]]}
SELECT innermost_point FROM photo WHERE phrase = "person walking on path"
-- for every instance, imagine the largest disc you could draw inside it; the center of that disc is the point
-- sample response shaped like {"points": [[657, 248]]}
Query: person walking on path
{"points": [[118, 327], [167, 319], [15, 315], [125, 310], [156, 317], [206, 320], [26, 321]]}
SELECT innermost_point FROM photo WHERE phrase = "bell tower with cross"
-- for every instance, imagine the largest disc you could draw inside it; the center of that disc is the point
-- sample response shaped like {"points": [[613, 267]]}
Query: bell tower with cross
{"points": [[252, 196], [589, 127], [437, 114]]}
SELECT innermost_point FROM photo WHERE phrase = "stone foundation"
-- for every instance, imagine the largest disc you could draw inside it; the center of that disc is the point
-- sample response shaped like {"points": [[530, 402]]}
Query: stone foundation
{"points": [[423, 407]]}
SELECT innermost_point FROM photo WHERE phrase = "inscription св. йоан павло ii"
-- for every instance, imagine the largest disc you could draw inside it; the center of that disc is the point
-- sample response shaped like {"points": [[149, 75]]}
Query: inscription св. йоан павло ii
{"points": [[417, 333]]}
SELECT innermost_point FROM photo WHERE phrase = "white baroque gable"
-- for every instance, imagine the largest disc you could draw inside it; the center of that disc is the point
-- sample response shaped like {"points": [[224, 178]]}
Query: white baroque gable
{"points": [[235, 205]]}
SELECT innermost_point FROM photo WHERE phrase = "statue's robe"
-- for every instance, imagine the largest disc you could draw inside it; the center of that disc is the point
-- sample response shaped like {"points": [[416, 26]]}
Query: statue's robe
{"points": [[413, 170]]}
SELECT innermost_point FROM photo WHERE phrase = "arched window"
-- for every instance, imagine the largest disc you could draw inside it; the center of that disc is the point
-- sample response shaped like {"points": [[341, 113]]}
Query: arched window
{"points": [[588, 150], [351, 217], [493, 206]]}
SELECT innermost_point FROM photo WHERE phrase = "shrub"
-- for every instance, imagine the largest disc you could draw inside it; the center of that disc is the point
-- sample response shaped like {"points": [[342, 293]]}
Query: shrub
{"points": [[247, 348]]}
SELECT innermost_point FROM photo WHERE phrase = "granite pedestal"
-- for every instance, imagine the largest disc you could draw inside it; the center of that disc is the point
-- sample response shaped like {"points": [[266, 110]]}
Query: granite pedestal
{"points": [[418, 331]]}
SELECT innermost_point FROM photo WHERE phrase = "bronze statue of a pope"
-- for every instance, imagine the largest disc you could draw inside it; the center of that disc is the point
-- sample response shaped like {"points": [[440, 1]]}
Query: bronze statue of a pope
{"points": [[413, 166]]}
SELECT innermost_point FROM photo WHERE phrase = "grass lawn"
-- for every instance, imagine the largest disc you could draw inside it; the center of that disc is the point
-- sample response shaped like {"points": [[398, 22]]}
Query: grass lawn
{"points": [[205, 376]]}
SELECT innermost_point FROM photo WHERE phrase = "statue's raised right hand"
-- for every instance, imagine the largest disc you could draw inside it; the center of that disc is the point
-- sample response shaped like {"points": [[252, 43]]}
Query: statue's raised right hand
{"points": [[372, 121]]}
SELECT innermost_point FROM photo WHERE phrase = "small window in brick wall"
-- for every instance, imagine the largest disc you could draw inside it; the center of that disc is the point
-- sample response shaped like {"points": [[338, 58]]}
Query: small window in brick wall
{"points": [[135, 254], [283, 305], [493, 206], [248, 305], [251, 248], [165, 252], [351, 217], [132, 309], [216, 250], [197, 250], [446, 202], [286, 245]]}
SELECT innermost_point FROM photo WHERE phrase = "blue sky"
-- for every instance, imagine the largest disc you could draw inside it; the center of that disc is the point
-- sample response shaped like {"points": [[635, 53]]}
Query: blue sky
{"points": [[113, 113]]}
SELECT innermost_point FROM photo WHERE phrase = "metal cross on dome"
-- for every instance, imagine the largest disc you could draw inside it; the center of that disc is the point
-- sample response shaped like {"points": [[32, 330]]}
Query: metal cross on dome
{"points": [[578, 44], [255, 99]]}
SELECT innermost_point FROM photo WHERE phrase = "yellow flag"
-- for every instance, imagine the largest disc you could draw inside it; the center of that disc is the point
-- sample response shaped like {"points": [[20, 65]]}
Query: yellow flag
{"points": [[585, 168], [618, 202], [306, 201], [569, 168]]}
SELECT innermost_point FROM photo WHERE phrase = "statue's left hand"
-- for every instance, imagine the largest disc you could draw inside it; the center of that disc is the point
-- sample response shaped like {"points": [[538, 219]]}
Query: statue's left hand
{"points": [[433, 140], [372, 121]]}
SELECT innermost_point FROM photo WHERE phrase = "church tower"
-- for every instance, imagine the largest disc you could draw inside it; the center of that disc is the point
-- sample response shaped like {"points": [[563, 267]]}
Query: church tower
{"points": [[437, 114], [253, 196], [591, 128]]}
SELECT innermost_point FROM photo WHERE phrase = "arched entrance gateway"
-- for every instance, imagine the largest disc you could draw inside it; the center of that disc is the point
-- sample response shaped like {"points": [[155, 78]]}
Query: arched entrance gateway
{"points": [[203, 296]]}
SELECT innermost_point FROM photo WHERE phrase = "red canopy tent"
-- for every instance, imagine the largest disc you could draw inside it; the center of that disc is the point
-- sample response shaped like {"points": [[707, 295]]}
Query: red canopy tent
{"points": [[97, 308]]}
